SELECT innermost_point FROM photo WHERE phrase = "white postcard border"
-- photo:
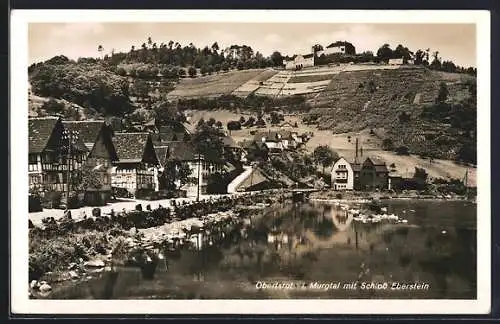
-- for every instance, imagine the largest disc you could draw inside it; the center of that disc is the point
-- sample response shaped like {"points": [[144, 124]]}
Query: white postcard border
{"points": [[20, 303]]}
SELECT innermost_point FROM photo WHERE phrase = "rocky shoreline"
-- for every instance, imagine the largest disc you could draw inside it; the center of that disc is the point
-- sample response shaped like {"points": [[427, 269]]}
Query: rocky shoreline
{"points": [[139, 246]]}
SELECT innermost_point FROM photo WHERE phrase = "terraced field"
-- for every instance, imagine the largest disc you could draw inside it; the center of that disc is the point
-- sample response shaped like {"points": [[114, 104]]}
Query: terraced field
{"points": [[213, 85]]}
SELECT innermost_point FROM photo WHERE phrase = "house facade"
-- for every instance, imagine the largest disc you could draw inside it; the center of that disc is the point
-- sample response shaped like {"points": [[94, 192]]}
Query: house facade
{"points": [[279, 140], [396, 61], [201, 167], [97, 137], [369, 175], [50, 158], [342, 175], [136, 168], [338, 48], [299, 62]]}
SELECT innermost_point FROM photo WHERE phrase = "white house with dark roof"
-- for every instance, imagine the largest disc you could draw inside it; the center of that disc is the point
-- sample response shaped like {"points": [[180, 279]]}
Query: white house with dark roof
{"points": [[48, 155], [370, 174], [342, 175], [299, 62], [136, 168]]}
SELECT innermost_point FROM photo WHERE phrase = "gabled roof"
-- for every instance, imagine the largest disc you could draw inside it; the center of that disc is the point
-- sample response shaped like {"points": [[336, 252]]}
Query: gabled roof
{"points": [[182, 151], [337, 44], [169, 134], [152, 122], [39, 131], [88, 130], [162, 154], [130, 147], [228, 141]]}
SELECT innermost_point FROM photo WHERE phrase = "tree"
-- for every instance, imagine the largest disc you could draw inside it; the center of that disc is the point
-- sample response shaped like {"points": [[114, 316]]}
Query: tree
{"points": [[419, 57], [175, 174], [443, 93], [225, 66], [192, 71], [233, 125], [121, 71], [53, 107], [86, 177], [402, 52], [140, 88], [250, 122], [384, 53], [387, 144], [324, 156], [317, 48], [204, 70], [277, 59], [218, 124], [208, 142], [260, 122], [211, 122], [275, 118]]}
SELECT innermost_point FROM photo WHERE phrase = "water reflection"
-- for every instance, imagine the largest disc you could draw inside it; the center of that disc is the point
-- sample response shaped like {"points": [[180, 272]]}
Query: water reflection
{"points": [[312, 242]]}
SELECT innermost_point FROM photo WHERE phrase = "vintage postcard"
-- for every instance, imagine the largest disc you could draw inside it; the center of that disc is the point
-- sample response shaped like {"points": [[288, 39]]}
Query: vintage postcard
{"points": [[250, 162]]}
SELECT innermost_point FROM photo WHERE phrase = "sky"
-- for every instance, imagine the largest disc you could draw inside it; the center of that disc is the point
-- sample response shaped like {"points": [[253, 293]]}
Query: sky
{"points": [[456, 42]]}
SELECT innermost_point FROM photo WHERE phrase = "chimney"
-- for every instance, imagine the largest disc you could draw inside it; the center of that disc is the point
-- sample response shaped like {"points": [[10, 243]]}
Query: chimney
{"points": [[356, 157]]}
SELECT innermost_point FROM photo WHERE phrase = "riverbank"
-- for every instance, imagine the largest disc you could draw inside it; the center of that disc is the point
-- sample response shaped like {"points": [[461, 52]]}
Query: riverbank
{"points": [[365, 197], [77, 250]]}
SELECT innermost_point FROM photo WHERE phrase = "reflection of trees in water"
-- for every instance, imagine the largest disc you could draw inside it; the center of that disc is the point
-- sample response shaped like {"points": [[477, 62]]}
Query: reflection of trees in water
{"points": [[324, 229]]}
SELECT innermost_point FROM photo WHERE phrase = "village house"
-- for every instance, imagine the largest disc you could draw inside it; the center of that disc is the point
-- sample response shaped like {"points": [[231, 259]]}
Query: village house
{"points": [[298, 62], [277, 141], [338, 47], [49, 160], [97, 138], [165, 133], [396, 61], [369, 175], [201, 167], [342, 175], [231, 147], [136, 169]]}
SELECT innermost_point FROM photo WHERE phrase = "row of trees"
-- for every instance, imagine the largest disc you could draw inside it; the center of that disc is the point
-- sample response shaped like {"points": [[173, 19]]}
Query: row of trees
{"points": [[176, 54], [421, 57]]}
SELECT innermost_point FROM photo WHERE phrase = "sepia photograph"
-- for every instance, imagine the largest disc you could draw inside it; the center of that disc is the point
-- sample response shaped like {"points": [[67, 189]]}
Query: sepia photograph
{"points": [[324, 157]]}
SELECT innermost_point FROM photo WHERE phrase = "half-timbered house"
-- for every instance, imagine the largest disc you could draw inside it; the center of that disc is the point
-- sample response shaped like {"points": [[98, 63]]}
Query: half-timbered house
{"points": [[51, 159], [97, 138], [136, 168]]}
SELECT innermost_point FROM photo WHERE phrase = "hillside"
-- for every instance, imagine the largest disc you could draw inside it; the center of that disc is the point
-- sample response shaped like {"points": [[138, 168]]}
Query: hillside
{"points": [[400, 106], [213, 85]]}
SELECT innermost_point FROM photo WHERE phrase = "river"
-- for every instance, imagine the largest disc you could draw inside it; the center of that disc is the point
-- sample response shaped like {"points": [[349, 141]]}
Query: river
{"points": [[312, 250]]}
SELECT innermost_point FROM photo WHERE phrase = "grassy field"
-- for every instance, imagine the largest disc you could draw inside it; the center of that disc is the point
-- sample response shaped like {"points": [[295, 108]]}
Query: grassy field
{"points": [[310, 78], [213, 85]]}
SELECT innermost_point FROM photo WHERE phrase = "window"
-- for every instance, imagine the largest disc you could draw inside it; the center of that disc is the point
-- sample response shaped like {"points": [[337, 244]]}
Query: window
{"points": [[32, 158]]}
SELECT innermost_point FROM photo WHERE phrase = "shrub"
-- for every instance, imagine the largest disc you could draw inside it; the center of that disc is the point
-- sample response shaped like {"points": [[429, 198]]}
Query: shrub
{"points": [[34, 204], [338, 196], [96, 212], [52, 199], [402, 150]]}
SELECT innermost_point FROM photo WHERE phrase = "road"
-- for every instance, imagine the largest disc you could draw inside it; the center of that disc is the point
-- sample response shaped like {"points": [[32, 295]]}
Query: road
{"points": [[127, 204]]}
